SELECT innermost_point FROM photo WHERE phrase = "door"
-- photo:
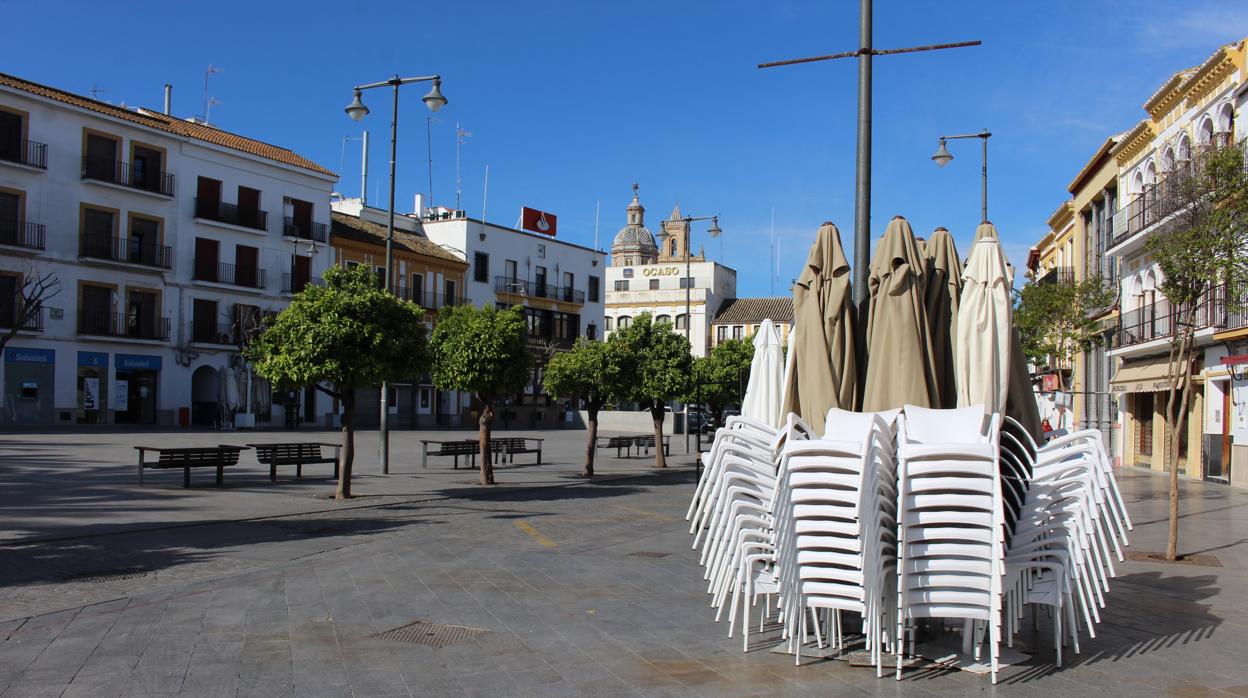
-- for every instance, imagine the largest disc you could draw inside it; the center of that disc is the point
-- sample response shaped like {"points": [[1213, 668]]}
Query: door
{"points": [[448, 292], [96, 314], [247, 266], [144, 241], [302, 216], [568, 282], [204, 320], [301, 273], [1227, 407], [8, 301], [10, 136], [101, 158], [208, 198], [249, 208], [418, 290], [141, 315], [509, 269], [207, 253], [539, 282], [10, 217], [98, 229], [145, 170]]}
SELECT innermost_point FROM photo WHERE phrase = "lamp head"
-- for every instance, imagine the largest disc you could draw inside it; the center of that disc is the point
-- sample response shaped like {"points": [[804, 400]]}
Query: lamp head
{"points": [[714, 230], [356, 109], [942, 156], [434, 100]]}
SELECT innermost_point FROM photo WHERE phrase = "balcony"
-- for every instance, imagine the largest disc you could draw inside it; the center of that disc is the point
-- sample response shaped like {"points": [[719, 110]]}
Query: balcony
{"points": [[12, 313], [105, 324], [19, 233], [25, 152], [127, 175], [214, 333], [1057, 275], [533, 289], [130, 251], [245, 277], [305, 230], [1160, 319], [296, 283], [231, 214], [429, 300]]}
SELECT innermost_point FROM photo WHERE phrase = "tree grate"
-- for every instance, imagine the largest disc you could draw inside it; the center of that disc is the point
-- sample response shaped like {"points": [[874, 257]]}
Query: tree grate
{"points": [[436, 635], [107, 575], [648, 553]]}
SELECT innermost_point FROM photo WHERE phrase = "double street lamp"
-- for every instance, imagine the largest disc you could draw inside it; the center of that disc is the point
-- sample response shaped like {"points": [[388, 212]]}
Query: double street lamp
{"points": [[714, 231], [944, 157], [357, 111]]}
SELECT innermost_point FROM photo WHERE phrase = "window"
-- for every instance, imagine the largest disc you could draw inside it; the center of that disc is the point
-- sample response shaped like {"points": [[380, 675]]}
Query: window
{"points": [[606, 324], [737, 331], [721, 333], [591, 331], [9, 300], [592, 292], [663, 318], [621, 285], [95, 311], [144, 240], [448, 292], [12, 131], [686, 282], [539, 282], [11, 232], [208, 198], [624, 322], [146, 171], [481, 267], [417, 295], [654, 284], [207, 252], [100, 160], [204, 320], [682, 321], [566, 326], [510, 270], [247, 266], [249, 215]]}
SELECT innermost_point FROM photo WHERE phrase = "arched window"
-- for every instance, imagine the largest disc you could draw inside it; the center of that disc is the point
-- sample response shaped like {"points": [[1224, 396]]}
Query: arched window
{"points": [[681, 321], [663, 318], [1167, 160], [1150, 174], [606, 323], [624, 321], [1185, 148], [1204, 135], [1225, 125], [1137, 183]]}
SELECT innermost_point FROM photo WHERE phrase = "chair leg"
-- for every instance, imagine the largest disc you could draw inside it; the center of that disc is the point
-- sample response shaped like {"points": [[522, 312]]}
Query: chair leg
{"points": [[220, 475], [299, 470], [273, 471], [186, 476], [140, 468]]}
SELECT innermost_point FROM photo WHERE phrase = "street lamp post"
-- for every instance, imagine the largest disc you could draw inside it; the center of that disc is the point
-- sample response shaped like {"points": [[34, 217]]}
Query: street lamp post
{"points": [[357, 111], [944, 157], [714, 232]]}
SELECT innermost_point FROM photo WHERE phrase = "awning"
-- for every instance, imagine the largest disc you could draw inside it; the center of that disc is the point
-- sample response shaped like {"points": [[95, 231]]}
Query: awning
{"points": [[1142, 376]]}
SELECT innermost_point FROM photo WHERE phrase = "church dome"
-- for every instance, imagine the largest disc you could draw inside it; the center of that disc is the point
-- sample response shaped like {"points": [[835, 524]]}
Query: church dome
{"points": [[634, 241], [635, 236]]}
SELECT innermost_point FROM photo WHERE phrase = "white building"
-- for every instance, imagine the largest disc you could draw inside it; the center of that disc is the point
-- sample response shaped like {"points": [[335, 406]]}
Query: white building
{"points": [[664, 278], [168, 236]]}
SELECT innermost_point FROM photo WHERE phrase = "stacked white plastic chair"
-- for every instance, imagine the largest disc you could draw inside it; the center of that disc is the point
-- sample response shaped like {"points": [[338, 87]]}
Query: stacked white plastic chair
{"points": [[835, 519], [1059, 553], [950, 525]]}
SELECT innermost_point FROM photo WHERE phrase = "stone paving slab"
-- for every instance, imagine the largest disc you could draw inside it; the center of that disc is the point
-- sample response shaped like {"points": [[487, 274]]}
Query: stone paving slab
{"points": [[293, 608]]}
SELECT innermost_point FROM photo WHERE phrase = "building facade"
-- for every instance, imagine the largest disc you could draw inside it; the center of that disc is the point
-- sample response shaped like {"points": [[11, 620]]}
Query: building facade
{"points": [[664, 278], [170, 239], [739, 318], [425, 273]]}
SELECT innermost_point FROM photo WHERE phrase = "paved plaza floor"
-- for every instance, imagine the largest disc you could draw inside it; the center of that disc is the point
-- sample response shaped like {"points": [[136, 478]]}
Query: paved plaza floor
{"points": [[574, 587]]}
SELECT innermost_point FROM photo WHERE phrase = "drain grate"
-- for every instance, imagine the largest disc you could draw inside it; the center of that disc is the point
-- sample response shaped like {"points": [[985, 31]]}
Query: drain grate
{"points": [[648, 553], [436, 635], [108, 575]]}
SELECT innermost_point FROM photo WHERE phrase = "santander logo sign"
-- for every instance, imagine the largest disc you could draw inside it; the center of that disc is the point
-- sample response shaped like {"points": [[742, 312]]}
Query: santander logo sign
{"points": [[536, 221]]}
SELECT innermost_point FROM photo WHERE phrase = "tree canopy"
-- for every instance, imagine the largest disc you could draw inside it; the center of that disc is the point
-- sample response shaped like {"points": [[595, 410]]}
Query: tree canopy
{"points": [[588, 371], [1059, 320], [720, 377], [345, 335], [656, 366]]}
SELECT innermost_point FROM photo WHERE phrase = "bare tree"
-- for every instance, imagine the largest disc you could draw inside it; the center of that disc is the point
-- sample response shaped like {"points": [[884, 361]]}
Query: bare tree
{"points": [[34, 291]]}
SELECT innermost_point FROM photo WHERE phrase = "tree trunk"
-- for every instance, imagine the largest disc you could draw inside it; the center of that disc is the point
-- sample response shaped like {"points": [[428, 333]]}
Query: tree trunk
{"points": [[591, 445], [484, 421], [347, 457], [657, 413], [1176, 412]]}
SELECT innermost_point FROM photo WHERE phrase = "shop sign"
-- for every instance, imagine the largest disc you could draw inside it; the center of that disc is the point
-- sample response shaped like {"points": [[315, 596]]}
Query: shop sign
{"points": [[537, 221], [120, 398], [1050, 382], [93, 359], [137, 362], [17, 355], [660, 271]]}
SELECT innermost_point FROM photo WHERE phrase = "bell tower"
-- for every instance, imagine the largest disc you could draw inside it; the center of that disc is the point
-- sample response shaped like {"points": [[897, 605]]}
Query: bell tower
{"points": [[674, 238]]}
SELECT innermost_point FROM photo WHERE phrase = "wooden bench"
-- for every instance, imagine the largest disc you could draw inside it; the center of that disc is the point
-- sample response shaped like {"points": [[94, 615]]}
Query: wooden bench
{"points": [[186, 458], [296, 454], [509, 446], [647, 442], [624, 443], [451, 448]]}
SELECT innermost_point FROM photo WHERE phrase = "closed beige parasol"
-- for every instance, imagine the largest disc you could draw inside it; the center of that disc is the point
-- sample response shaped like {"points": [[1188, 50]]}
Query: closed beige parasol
{"points": [[900, 369], [944, 288], [824, 370]]}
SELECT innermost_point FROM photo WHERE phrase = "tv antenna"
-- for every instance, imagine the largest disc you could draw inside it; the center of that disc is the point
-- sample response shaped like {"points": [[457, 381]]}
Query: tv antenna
{"points": [[460, 135], [429, 122], [96, 91], [212, 69]]}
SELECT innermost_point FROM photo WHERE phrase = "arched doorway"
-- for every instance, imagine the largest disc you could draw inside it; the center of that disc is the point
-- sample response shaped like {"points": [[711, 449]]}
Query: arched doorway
{"points": [[205, 396]]}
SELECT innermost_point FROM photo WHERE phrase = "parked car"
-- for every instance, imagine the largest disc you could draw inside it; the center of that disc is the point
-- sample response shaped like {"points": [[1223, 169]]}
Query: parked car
{"points": [[698, 420]]}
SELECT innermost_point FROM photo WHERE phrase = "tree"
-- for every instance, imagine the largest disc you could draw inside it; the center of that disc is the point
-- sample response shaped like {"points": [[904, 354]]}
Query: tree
{"points": [[720, 377], [587, 371], [1058, 321], [34, 290], [1202, 257], [345, 335], [481, 351], [656, 366]]}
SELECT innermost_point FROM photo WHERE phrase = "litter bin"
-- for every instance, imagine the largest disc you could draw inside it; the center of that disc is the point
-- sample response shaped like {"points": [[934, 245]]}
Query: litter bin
{"points": [[184, 416]]}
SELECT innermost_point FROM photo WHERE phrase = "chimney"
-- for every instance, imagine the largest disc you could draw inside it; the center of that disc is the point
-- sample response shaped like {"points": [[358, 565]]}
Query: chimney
{"points": [[420, 206], [168, 99]]}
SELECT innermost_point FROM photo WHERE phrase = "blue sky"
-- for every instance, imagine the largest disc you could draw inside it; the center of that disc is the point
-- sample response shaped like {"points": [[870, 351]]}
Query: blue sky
{"points": [[570, 102]]}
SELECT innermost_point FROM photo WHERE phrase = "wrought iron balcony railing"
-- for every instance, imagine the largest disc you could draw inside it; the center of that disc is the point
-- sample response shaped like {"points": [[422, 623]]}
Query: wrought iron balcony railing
{"points": [[296, 283], [21, 233], [213, 333], [12, 312], [305, 230], [230, 213], [127, 175], [533, 289], [97, 246], [246, 277], [106, 324], [24, 152]]}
